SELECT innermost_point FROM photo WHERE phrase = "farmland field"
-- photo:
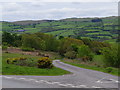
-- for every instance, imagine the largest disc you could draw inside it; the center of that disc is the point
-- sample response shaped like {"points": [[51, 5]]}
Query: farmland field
{"points": [[105, 28]]}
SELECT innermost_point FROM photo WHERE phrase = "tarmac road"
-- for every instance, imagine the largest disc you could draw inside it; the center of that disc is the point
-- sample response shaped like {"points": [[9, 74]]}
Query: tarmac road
{"points": [[80, 78]]}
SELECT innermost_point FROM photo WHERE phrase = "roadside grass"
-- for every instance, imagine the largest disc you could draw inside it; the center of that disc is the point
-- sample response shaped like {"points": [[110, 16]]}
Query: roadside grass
{"points": [[11, 69], [98, 59], [115, 71]]}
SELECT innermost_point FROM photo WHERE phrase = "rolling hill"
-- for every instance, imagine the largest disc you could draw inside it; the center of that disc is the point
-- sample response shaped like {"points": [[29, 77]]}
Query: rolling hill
{"points": [[95, 28]]}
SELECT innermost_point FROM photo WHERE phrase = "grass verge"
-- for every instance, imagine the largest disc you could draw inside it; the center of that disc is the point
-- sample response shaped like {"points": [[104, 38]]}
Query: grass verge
{"points": [[11, 69], [115, 71]]}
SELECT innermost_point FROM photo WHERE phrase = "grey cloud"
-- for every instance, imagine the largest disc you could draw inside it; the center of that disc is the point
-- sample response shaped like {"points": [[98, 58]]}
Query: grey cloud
{"points": [[46, 10]]}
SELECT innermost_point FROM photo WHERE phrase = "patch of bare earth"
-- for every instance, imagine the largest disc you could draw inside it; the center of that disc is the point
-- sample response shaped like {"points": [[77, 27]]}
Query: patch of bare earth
{"points": [[34, 53]]}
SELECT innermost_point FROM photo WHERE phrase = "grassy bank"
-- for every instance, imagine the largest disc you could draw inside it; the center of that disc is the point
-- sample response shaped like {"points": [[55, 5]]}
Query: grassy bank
{"points": [[114, 71], [11, 69]]}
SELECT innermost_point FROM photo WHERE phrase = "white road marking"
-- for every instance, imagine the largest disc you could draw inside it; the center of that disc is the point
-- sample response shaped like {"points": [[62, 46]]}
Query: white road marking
{"points": [[73, 86], [32, 79], [17, 78], [41, 80], [22, 78], [56, 82], [81, 86], [8, 77], [49, 82], [69, 84], [36, 81], [112, 81], [95, 87], [62, 84]]}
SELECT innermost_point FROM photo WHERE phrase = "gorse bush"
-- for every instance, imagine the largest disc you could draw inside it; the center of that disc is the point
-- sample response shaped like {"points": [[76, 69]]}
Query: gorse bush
{"points": [[14, 60], [44, 62], [22, 61]]}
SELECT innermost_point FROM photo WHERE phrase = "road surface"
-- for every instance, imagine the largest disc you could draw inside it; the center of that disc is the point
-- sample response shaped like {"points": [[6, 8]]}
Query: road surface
{"points": [[80, 78]]}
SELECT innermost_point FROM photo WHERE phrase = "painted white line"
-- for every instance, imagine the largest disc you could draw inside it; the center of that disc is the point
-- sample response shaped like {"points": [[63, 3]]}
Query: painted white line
{"points": [[37, 81], [56, 82], [117, 81], [50, 83], [17, 78], [42, 80], [62, 84], [114, 80], [95, 87], [99, 81], [32, 79], [47, 82], [22, 78], [81, 86], [8, 77], [73, 86], [69, 84]]}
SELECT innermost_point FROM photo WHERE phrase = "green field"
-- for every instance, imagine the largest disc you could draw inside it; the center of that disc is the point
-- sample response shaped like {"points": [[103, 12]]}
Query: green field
{"points": [[83, 27], [11, 69]]}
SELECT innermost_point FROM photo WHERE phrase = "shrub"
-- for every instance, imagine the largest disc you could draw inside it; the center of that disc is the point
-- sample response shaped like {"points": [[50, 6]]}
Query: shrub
{"points": [[14, 60], [22, 61], [11, 60], [86, 58], [111, 56], [109, 69], [44, 62], [85, 53], [70, 54], [4, 47], [27, 49]]}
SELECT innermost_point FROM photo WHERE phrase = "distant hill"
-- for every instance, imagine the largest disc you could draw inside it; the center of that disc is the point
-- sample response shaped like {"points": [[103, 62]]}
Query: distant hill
{"points": [[29, 22], [95, 28]]}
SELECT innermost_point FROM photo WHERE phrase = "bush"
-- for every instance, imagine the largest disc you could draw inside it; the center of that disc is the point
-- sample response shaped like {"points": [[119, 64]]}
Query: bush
{"points": [[109, 69], [111, 56], [14, 60], [85, 53], [4, 47], [86, 58], [22, 61], [44, 62], [70, 54], [27, 49]]}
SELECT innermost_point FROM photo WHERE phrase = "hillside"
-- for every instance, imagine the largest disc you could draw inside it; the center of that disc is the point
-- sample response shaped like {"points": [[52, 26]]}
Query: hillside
{"points": [[94, 28]]}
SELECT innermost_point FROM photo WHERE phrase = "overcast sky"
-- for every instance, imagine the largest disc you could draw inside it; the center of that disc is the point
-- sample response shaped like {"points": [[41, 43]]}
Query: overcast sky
{"points": [[16, 11]]}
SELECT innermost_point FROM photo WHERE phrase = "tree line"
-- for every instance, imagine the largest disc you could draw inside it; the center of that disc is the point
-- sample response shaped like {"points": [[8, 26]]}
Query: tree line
{"points": [[72, 48]]}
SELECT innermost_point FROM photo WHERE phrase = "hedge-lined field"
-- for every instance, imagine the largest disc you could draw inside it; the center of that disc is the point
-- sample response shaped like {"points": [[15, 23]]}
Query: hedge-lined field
{"points": [[82, 27]]}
